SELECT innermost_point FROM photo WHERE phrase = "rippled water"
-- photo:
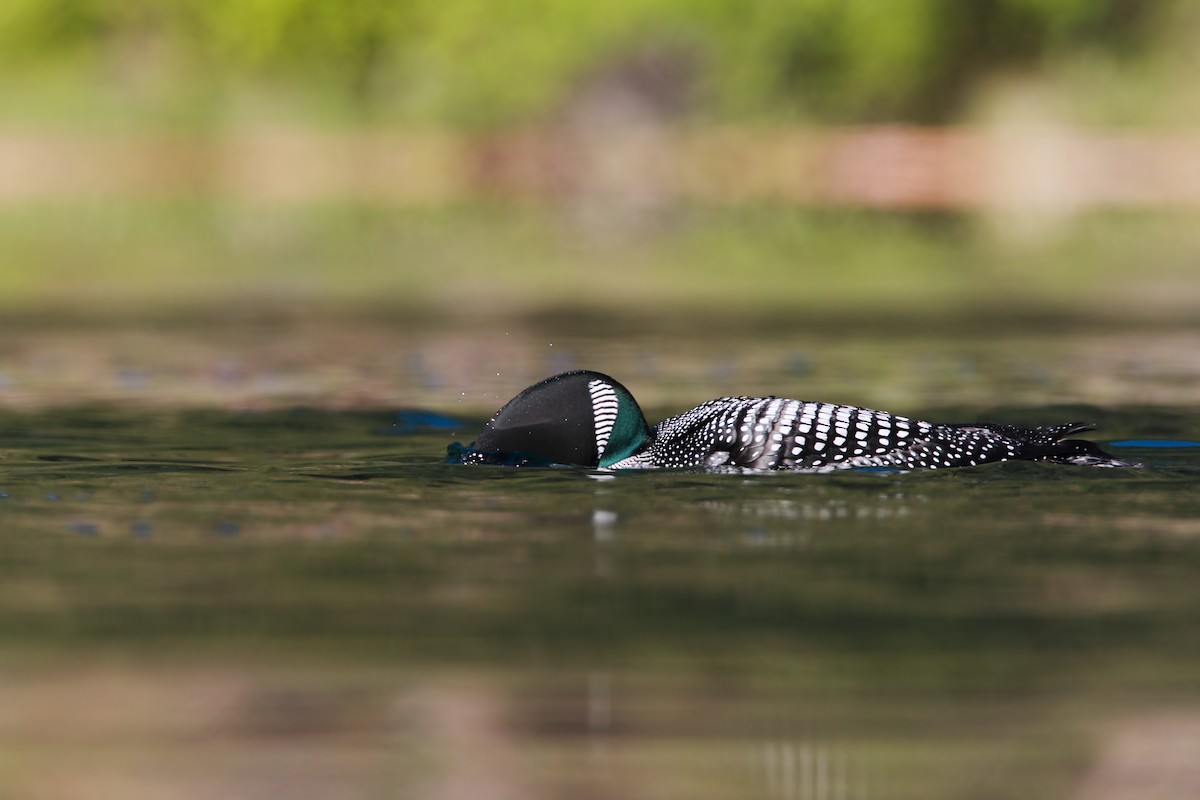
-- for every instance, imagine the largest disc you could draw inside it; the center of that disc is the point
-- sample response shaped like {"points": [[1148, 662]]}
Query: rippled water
{"points": [[309, 604]]}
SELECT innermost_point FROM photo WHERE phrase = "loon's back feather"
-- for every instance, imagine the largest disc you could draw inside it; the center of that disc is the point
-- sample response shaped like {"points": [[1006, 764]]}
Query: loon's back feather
{"points": [[772, 433]]}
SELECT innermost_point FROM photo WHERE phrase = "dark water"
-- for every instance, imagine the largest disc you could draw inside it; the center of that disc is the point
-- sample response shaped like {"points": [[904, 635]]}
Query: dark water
{"points": [[315, 604]]}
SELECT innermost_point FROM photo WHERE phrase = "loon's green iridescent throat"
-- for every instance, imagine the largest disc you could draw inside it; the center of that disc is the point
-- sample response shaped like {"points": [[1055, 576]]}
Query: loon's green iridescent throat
{"points": [[630, 433]]}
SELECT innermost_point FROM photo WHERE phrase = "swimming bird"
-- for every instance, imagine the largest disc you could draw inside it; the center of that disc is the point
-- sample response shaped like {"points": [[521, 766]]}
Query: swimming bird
{"points": [[589, 419]]}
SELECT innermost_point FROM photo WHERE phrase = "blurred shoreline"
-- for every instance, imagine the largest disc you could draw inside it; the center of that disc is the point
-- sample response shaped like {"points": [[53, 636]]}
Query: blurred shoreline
{"points": [[469, 371], [634, 169]]}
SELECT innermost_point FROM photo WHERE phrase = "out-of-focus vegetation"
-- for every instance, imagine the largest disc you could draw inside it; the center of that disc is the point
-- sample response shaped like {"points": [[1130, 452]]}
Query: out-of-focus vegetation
{"points": [[466, 62], [761, 264], [209, 221]]}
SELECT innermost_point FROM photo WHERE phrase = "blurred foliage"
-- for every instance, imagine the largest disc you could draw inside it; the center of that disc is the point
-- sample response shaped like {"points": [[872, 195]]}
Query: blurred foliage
{"points": [[131, 259], [473, 63]]}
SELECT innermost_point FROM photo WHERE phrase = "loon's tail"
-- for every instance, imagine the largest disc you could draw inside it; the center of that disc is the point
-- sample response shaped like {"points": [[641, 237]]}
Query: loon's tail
{"points": [[1051, 444]]}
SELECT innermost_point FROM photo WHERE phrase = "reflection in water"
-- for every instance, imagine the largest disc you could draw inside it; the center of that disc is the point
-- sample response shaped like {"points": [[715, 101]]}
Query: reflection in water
{"points": [[881, 507], [303, 604], [807, 770], [599, 702], [1147, 757], [604, 523], [604, 527]]}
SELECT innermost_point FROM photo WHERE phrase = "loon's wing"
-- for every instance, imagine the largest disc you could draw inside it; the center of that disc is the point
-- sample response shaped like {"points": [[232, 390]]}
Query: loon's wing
{"points": [[777, 433]]}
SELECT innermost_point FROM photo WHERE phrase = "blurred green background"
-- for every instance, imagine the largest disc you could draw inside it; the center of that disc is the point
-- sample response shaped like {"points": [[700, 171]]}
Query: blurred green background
{"points": [[434, 162], [202, 63]]}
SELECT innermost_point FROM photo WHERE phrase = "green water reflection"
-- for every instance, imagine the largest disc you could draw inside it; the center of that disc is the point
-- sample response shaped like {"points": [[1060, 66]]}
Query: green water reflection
{"points": [[318, 606]]}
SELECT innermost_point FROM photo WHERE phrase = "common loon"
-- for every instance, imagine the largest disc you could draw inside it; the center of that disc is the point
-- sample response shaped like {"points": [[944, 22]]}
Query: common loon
{"points": [[588, 419]]}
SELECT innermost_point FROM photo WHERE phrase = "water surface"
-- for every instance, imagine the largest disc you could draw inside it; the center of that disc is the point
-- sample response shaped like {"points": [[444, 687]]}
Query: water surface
{"points": [[315, 603]]}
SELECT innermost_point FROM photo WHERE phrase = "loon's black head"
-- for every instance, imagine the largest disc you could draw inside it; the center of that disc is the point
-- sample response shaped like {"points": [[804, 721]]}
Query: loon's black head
{"points": [[582, 418]]}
